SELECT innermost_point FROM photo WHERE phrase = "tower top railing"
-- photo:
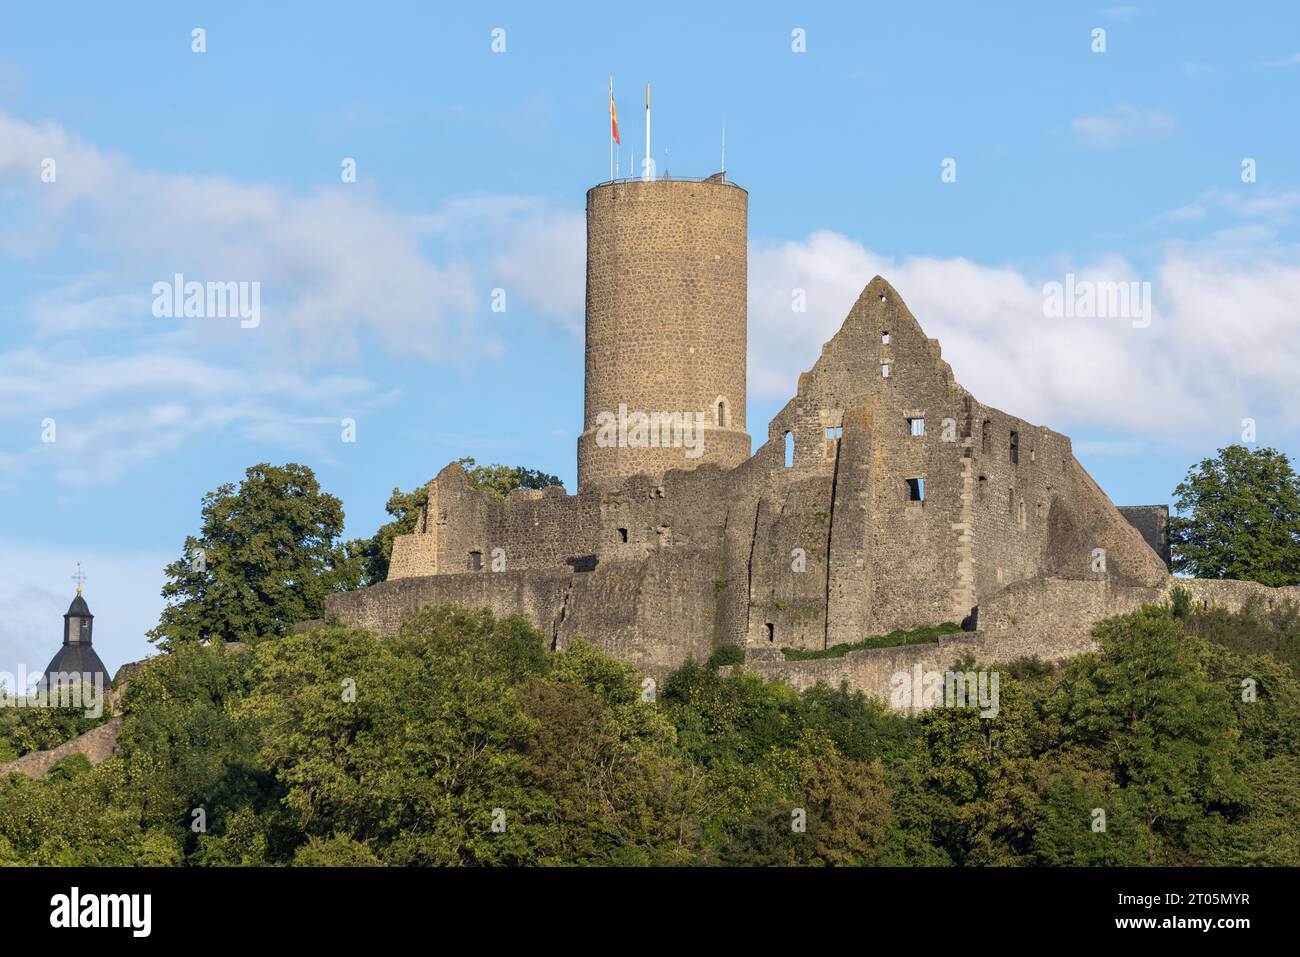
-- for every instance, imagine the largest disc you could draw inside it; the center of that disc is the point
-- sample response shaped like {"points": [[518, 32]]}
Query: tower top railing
{"points": [[720, 178]]}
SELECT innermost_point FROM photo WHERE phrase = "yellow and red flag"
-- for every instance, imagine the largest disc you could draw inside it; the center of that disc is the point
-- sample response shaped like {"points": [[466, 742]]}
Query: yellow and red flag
{"points": [[613, 116]]}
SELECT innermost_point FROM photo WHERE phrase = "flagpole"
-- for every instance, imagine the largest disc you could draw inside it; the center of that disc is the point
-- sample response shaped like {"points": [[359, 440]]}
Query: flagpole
{"points": [[611, 129], [646, 172]]}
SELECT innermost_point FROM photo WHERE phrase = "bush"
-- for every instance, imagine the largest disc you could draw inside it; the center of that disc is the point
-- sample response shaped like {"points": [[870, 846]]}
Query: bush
{"points": [[1030, 667], [1180, 601], [726, 655], [1258, 628], [925, 635]]}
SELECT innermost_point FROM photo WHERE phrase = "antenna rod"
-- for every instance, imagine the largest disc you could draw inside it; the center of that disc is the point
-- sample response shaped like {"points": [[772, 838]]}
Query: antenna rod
{"points": [[724, 145], [646, 172]]}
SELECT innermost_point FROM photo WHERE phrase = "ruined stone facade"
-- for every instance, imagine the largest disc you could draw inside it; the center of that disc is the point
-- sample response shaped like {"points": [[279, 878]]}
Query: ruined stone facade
{"points": [[1152, 521], [885, 496]]}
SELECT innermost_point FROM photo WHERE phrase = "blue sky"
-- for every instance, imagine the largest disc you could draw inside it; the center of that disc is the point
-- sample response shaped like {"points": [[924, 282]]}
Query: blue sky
{"points": [[472, 166]]}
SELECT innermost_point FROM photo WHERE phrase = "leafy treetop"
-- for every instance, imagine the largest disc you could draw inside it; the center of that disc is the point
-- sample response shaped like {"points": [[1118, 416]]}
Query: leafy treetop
{"points": [[266, 555], [1239, 518]]}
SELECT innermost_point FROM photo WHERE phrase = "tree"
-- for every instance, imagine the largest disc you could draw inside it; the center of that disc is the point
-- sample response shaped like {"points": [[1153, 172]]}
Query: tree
{"points": [[407, 745], [1148, 711], [265, 557], [1239, 517], [837, 814], [377, 552], [501, 480]]}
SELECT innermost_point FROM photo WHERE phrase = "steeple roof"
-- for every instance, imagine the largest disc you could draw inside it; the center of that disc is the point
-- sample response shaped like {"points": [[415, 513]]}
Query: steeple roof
{"points": [[76, 657], [78, 608], [77, 660]]}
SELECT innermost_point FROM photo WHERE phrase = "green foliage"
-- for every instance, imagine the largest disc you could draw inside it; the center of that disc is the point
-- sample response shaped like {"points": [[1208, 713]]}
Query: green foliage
{"points": [[1257, 628], [265, 557], [1239, 517], [501, 480], [1147, 708], [726, 655], [927, 634], [1180, 602], [68, 767], [462, 740], [377, 551], [1029, 668], [337, 851], [25, 729], [839, 816]]}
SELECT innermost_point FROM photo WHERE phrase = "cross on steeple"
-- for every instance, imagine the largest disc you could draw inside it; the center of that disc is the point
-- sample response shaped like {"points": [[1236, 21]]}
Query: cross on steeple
{"points": [[79, 578]]}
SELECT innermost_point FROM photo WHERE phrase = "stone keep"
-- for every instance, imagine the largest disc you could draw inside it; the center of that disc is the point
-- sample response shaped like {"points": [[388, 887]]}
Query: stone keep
{"points": [[666, 320]]}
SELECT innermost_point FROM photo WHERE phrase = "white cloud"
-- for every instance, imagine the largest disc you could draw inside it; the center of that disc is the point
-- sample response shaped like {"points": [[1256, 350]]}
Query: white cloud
{"points": [[126, 387], [547, 265], [536, 251], [330, 264], [1122, 14], [1266, 206], [111, 413], [1188, 213], [1283, 62], [1125, 123], [1221, 344]]}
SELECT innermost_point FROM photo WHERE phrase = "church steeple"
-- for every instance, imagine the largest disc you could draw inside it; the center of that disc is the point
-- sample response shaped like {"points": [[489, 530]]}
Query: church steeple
{"points": [[77, 622], [76, 661]]}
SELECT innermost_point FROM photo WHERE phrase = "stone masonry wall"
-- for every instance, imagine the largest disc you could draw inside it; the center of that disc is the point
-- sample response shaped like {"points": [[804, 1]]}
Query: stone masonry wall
{"points": [[1048, 618], [655, 612], [97, 744]]}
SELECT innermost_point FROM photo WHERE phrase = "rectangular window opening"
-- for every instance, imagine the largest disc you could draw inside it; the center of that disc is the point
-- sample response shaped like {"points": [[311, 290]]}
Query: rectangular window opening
{"points": [[916, 426], [622, 534], [476, 561], [1015, 447], [916, 490]]}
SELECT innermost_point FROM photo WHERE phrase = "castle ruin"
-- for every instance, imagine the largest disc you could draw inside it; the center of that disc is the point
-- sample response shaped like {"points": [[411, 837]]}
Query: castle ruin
{"points": [[885, 495]]}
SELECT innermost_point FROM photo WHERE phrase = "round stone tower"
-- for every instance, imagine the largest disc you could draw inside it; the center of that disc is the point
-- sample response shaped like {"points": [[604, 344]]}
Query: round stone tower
{"points": [[666, 316]]}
